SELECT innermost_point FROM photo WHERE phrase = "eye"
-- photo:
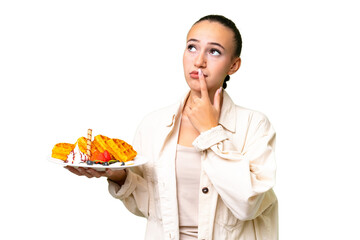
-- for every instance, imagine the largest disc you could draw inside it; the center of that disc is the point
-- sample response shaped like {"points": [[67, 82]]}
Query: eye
{"points": [[191, 48], [215, 52]]}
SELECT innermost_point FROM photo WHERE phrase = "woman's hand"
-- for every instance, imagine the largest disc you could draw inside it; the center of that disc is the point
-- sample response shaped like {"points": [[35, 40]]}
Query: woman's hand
{"points": [[202, 114], [117, 176]]}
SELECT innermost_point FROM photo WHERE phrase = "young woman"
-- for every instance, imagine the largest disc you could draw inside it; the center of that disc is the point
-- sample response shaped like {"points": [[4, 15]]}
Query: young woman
{"points": [[211, 163]]}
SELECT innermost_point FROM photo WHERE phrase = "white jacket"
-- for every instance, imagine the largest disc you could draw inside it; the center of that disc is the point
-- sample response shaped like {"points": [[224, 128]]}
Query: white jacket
{"points": [[236, 200]]}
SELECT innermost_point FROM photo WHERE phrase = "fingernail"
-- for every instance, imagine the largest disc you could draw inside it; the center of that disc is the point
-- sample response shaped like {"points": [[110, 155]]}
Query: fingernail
{"points": [[200, 72], [220, 89]]}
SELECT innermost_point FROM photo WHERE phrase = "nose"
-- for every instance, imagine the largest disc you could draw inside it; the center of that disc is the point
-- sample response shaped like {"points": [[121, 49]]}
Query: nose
{"points": [[200, 60]]}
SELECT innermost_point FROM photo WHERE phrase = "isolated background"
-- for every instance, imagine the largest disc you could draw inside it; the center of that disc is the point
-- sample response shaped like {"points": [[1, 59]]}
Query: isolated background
{"points": [[66, 66]]}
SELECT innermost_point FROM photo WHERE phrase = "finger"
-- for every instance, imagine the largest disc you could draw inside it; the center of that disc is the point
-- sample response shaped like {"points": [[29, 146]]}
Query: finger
{"points": [[85, 172], [73, 170], [94, 173], [203, 85], [187, 111], [117, 175], [109, 173], [217, 99], [195, 100]]}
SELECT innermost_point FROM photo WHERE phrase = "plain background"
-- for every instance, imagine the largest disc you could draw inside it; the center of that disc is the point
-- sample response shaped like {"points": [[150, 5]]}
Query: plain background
{"points": [[66, 66]]}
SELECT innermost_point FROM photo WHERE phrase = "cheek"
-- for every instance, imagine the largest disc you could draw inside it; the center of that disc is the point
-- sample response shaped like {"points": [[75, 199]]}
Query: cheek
{"points": [[222, 68], [185, 62], [219, 72], [187, 59], [218, 69]]}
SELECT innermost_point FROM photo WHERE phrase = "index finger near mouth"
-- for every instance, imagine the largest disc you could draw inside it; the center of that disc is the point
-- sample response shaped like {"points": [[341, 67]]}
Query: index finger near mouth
{"points": [[203, 85]]}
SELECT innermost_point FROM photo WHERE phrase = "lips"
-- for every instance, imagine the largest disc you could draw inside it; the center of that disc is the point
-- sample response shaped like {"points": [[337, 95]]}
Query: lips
{"points": [[195, 74]]}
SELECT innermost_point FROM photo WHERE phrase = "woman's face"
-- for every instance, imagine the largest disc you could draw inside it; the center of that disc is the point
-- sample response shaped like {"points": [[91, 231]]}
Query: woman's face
{"points": [[210, 47]]}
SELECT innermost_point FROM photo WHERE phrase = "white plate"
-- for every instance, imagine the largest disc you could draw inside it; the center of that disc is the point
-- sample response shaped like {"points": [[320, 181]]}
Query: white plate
{"points": [[137, 161]]}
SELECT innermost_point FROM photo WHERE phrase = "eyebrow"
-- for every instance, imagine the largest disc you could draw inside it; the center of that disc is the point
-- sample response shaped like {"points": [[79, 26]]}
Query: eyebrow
{"points": [[212, 43]]}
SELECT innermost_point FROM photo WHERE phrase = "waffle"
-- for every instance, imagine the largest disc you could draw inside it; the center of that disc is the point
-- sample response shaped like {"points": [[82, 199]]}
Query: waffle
{"points": [[121, 150], [62, 150], [82, 143], [100, 142]]}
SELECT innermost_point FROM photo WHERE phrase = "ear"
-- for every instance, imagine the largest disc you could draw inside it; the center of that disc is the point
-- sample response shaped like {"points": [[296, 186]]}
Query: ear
{"points": [[235, 66]]}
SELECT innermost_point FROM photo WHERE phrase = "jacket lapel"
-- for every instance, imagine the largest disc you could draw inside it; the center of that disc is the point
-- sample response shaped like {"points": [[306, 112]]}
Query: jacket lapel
{"points": [[166, 172]]}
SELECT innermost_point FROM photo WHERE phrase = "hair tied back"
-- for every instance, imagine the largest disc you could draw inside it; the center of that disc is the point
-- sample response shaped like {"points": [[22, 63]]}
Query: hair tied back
{"points": [[227, 78]]}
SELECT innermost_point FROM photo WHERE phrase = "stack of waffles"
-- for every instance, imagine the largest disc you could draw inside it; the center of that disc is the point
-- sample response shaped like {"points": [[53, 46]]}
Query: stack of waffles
{"points": [[118, 149]]}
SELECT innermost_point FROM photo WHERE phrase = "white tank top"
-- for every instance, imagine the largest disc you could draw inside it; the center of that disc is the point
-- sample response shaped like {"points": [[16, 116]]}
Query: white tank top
{"points": [[188, 168]]}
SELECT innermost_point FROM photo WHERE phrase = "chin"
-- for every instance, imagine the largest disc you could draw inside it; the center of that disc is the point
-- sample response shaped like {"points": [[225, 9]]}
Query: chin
{"points": [[194, 85]]}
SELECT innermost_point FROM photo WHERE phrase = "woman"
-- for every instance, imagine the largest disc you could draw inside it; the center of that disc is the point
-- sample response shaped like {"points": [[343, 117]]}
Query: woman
{"points": [[211, 163]]}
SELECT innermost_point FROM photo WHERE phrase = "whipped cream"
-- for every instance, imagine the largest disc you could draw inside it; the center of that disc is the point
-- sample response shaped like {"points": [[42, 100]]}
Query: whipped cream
{"points": [[76, 156]]}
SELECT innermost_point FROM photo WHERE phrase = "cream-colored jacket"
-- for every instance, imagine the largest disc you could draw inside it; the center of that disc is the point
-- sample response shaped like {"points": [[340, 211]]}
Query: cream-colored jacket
{"points": [[236, 200]]}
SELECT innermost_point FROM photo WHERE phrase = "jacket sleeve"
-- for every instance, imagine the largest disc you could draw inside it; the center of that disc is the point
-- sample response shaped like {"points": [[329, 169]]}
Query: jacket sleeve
{"points": [[243, 173], [134, 192]]}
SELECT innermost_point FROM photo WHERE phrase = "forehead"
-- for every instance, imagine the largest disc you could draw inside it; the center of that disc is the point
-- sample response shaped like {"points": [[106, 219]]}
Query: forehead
{"points": [[206, 31]]}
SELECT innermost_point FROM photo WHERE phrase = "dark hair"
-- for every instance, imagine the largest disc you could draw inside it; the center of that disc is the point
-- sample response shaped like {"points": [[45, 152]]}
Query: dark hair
{"points": [[231, 25]]}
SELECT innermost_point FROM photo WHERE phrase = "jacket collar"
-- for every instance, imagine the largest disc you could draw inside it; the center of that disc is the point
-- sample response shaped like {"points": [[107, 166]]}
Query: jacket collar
{"points": [[227, 115]]}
